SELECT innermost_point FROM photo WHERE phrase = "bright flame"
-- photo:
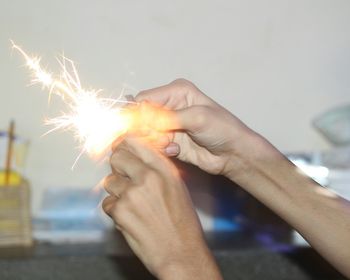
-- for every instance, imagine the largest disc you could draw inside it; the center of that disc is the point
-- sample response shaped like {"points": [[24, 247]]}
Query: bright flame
{"points": [[95, 121]]}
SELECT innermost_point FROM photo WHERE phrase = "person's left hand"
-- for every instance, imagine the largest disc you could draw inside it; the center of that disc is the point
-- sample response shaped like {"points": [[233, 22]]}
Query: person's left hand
{"points": [[150, 205]]}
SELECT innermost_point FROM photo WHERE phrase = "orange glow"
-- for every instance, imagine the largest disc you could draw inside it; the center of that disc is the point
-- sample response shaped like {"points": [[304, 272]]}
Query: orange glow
{"points": [[153, 123]]}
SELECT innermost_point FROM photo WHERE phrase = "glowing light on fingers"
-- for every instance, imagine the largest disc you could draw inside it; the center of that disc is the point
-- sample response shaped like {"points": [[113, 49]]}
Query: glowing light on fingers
{"points": [[95, 121]]}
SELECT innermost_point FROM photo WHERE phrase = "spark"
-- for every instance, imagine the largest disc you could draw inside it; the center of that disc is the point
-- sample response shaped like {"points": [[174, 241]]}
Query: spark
{"points": [[94, 120]]}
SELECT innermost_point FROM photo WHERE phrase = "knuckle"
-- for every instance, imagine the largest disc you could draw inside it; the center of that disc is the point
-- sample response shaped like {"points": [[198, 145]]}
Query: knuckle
{"points": [[118, 212], [185, 89], [109, 189], [123, 145], [113, 159], [117, 142], [117, 156], [142, 93], [104, 206], [108, 180], [183, 83], [107, 204]]}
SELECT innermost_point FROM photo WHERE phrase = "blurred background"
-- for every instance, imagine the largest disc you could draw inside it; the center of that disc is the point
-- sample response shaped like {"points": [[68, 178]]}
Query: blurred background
{"points": [[278, 65]]}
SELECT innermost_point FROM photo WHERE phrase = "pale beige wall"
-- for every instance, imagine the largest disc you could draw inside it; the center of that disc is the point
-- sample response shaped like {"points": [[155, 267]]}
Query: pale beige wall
{"points": [[274, 63]]}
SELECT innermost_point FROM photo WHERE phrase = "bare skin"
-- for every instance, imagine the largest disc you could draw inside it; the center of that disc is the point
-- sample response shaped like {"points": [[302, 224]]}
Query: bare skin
{"points": [[208, 136], [151, 206]]}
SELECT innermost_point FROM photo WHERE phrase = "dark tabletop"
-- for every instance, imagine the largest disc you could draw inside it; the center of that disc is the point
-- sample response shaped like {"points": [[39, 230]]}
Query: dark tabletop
{"points": [[239, 255]]}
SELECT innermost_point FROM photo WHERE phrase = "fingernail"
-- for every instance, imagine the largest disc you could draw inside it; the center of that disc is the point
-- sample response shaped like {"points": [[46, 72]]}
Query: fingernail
{"points": [[172, 149]]}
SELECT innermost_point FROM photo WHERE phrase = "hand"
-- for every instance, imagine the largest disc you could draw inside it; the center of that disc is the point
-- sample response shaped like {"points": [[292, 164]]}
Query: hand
{"points": [[151, 206], [205, 134], [208, 136]]}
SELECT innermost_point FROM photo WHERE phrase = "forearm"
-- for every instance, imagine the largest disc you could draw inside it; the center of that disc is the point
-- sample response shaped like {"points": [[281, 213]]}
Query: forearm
{"points": [[322, 217]]}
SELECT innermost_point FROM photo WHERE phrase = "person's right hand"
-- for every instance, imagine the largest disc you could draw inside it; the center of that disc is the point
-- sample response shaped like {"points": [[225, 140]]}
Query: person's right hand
{"points": [[216, 141], [205, 133]]}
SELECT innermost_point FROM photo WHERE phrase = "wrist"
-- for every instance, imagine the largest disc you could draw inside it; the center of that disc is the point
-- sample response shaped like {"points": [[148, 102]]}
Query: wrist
{"points": [[244, 156], [264, 172], [201, 265]]}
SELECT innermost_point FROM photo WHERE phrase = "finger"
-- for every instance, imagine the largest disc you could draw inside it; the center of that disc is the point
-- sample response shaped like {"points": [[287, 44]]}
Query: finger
{"points": [[189, 119], [156, 139], [115, 184], [162, 95], [172, 150], [148, 117], [124, 219], [151, 117], [161, 140], [175, 95], [117, 142], [151, 157], [108, 203], [126, 163], [151, 123]]}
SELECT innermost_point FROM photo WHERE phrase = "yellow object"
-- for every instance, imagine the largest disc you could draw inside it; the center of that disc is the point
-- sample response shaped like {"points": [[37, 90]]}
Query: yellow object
{"points": [[14, 179], [15, 218]]}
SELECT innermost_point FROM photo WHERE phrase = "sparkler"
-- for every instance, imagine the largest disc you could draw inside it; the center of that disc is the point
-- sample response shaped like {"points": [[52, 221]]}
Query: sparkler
{"points": [[94, 120]]}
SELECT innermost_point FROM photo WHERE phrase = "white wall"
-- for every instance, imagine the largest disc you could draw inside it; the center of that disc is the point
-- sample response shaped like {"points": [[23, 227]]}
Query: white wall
{"points": [[274, 63]]}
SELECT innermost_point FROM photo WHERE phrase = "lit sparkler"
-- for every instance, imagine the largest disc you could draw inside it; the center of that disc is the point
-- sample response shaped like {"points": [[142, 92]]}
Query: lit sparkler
{"points": [[95, 121]]}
